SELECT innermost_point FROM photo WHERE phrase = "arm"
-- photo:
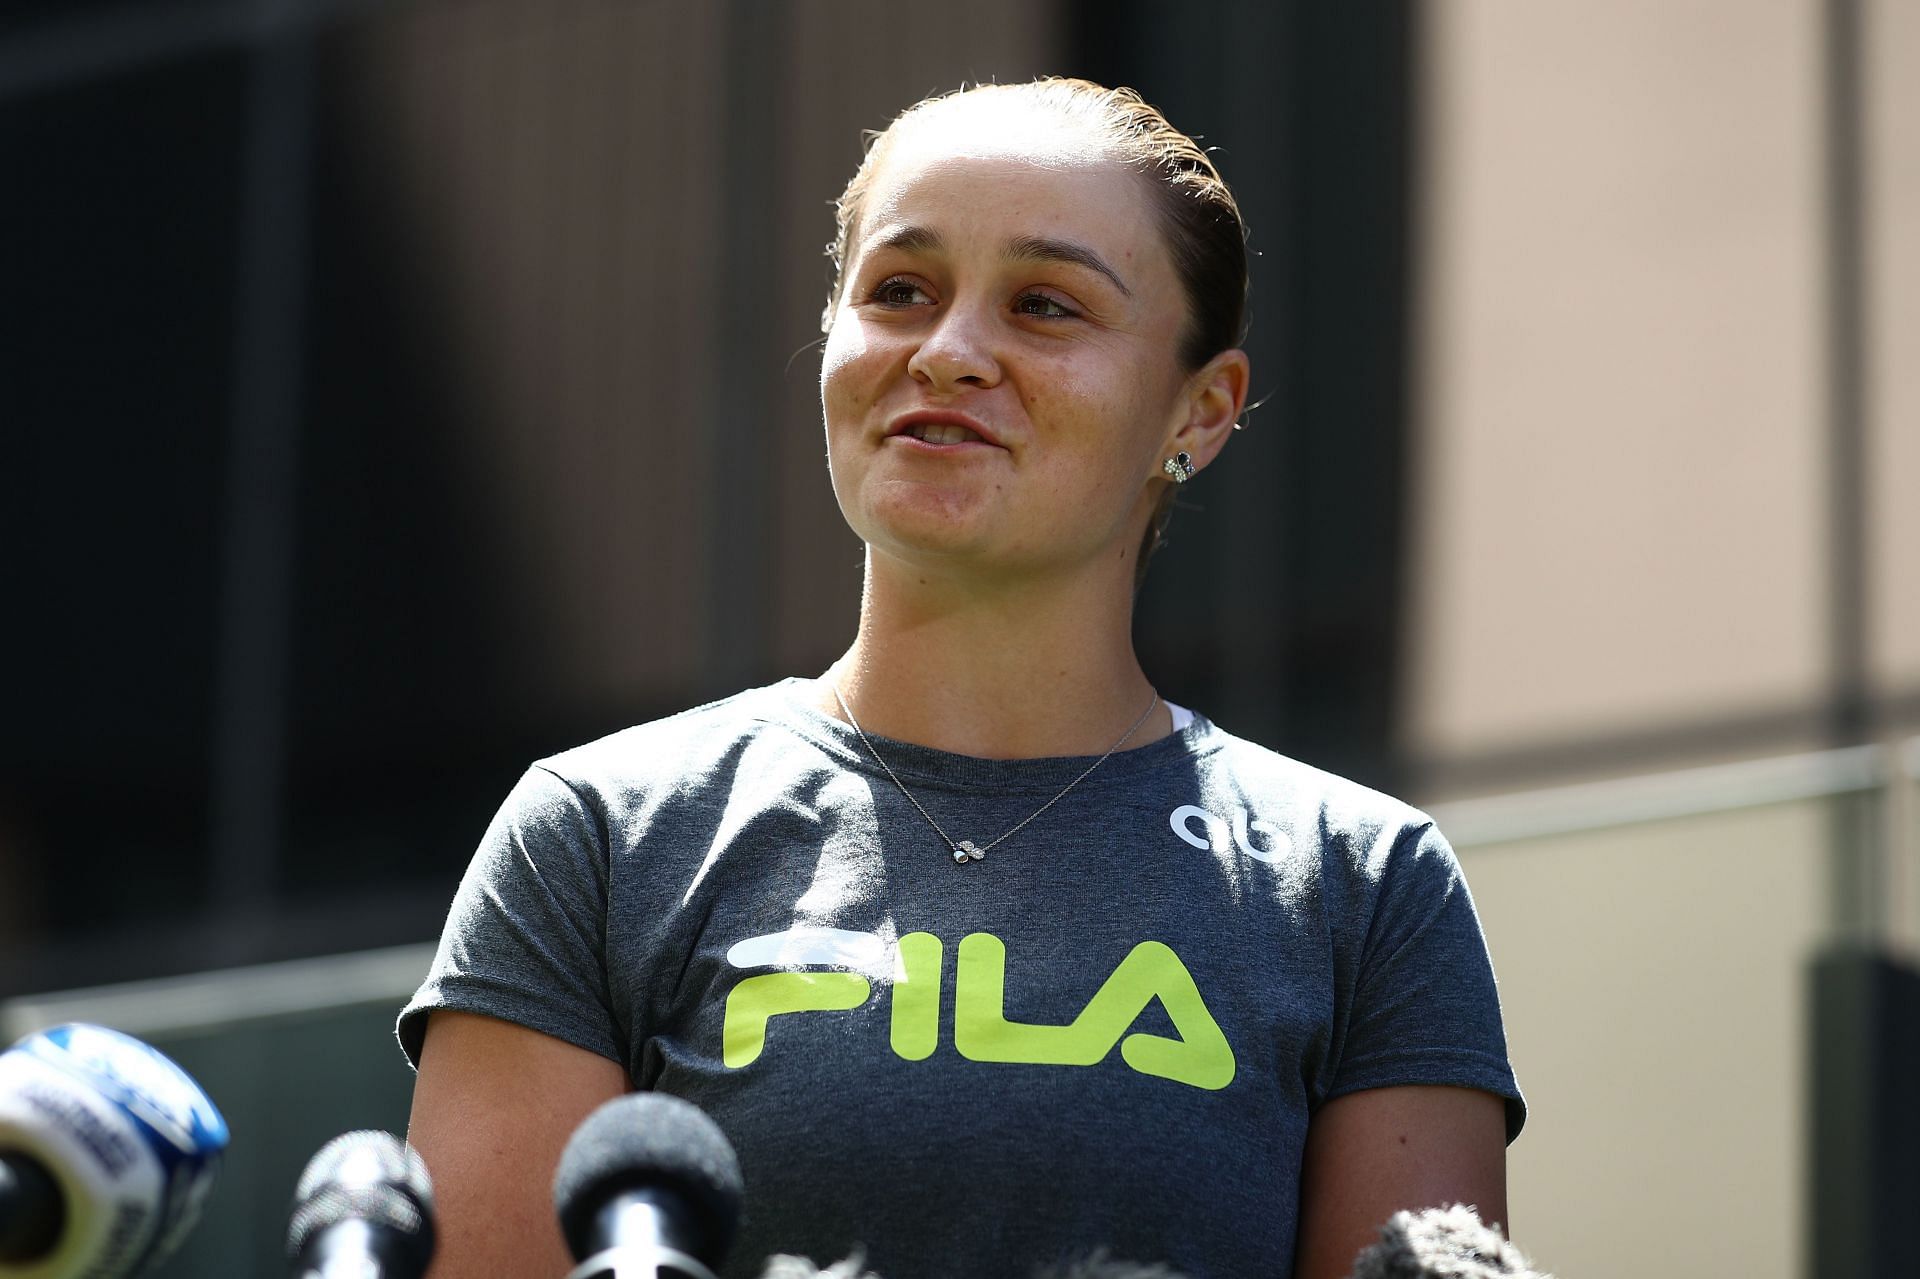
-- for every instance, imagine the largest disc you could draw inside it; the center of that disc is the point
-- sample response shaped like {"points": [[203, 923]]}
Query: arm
{"points": [[493, 1107], [1371, 1153]]}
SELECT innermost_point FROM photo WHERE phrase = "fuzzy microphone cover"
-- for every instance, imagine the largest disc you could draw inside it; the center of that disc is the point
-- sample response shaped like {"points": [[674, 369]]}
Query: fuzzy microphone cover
{"points": [[1442, 1243]]}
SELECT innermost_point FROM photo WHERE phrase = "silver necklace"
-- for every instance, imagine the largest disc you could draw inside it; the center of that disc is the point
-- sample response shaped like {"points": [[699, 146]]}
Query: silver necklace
{"points": [[966, 850]]}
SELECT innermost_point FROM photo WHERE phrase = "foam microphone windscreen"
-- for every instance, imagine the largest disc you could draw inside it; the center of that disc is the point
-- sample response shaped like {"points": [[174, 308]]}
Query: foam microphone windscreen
{"points": [[373, 1178], [1442, 1243], [648, 1141]]}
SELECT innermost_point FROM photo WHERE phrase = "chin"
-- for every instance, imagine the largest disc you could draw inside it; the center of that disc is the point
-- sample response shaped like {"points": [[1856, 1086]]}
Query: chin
{"points": [[926, 523]]}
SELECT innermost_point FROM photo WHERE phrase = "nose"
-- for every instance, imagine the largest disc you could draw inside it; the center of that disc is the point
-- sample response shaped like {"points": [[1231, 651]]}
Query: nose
{"points": [[957, 352]]}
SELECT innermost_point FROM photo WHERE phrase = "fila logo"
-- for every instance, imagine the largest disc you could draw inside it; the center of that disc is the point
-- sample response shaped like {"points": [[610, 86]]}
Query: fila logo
{"points": [[1200, 1056], [1241, 831]]}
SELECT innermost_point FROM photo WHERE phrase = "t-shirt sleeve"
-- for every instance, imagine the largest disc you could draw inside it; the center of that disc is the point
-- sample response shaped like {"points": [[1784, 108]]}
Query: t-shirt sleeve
{"points": [[1425, 1009], [525, 939]]}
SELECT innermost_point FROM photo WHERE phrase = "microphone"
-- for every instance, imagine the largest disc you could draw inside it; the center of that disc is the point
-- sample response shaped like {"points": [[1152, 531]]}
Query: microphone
{"points": [[1442, 1243], [648, 1188], [108, 1152], [363, 1209], [33, 1212]]}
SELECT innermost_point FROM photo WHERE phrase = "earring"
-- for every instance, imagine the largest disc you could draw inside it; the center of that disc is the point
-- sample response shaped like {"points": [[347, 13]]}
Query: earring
{"points": [[1179, 468]]}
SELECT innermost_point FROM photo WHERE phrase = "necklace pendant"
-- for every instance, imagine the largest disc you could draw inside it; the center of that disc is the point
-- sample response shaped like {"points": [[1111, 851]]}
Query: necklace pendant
{"points": [[966, 850]]}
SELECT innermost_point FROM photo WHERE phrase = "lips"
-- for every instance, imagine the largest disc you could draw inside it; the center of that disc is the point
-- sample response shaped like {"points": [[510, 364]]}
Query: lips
{"points": [[942, 428]]}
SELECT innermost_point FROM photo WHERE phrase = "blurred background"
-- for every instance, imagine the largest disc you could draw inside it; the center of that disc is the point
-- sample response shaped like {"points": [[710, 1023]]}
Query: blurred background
{"points": [[395, 391]]}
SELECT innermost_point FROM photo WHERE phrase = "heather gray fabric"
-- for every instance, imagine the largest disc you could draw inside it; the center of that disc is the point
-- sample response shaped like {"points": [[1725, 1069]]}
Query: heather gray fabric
{"points": [[1110, 1033]]}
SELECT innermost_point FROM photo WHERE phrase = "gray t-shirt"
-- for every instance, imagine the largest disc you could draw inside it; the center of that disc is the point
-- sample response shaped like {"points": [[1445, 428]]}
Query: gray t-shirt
{"points": [[1110, 1033]]}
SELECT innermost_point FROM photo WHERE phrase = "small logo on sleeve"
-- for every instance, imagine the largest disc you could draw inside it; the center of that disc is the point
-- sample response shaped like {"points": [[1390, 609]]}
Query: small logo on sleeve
{"points": [[1221, 835]]}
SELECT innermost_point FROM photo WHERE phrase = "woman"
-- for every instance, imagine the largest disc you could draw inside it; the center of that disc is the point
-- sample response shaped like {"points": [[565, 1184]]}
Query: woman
{"points": [[982, 953]]}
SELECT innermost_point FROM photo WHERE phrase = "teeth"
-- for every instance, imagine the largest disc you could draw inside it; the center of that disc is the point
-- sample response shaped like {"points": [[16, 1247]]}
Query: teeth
{"points": [[942, 433]]}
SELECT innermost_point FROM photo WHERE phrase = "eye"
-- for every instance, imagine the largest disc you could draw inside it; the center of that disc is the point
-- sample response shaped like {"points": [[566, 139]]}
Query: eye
{"points": [[898, 290], [1044, 306]]}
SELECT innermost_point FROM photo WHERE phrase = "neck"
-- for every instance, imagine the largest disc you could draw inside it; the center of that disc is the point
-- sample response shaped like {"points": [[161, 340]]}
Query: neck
{"points": [[1002, 671]]}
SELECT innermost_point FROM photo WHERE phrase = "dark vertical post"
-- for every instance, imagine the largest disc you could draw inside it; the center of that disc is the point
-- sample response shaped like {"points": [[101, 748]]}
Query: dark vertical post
{"points": [[745, 396], [1864, 1024], [1849, 707], [1864, 1165], [1349, 356], [250, 691], [1279, 603]]}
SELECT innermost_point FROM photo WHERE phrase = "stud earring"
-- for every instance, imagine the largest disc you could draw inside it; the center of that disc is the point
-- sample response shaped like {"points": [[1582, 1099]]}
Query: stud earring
{"points": [[1179, 468]]}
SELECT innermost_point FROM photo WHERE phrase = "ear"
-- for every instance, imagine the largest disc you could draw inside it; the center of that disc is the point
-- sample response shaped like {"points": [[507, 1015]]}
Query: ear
{"points": [[1214, 396]]}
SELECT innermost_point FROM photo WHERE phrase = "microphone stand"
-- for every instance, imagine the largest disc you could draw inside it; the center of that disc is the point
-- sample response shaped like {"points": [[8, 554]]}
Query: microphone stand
{"points": [[658, 1223], [632, 1262]]}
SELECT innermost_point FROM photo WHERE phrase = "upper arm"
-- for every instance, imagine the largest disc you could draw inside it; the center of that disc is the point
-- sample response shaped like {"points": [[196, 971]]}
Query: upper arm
{"points": [[493, 1108], [1370, 1154]]}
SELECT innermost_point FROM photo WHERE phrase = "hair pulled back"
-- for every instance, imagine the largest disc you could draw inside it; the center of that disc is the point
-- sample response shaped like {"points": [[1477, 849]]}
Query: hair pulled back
{"points": [[1204, 231], [1205, 234]]}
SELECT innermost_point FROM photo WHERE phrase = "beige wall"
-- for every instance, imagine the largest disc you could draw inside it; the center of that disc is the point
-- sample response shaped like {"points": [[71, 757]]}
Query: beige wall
{"points": [[1893, 110], [1619, 521], [1651, 976], [1620, 528]]}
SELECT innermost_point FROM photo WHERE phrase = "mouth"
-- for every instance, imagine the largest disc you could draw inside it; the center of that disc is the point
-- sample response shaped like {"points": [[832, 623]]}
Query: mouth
{"points": [[941, 433], [941, 429]]}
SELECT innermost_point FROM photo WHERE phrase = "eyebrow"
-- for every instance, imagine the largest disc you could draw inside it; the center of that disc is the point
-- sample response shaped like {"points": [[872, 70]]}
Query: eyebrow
{"points": [[1040, 248], [913, 239], [1026, 248]]}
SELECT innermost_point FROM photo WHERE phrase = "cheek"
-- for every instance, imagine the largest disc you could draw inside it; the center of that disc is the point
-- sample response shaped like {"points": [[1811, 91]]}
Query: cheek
{"points": [[852, 375], [846, 395], [845, 354], [1120, 419]]}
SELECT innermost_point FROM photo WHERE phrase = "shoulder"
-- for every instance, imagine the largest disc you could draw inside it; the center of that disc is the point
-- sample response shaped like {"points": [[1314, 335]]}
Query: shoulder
{"points": [[1305, 799], [1349, 846]]}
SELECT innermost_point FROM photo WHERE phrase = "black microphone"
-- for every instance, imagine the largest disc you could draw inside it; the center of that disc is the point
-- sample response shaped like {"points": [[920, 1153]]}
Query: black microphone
{"points": [[108, 1152], [1442, 1243], [648, 1188], [364, 1209]]}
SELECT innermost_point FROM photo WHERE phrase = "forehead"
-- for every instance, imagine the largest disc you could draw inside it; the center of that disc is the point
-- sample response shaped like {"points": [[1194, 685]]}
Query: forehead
{"points": [[983, 178]]}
